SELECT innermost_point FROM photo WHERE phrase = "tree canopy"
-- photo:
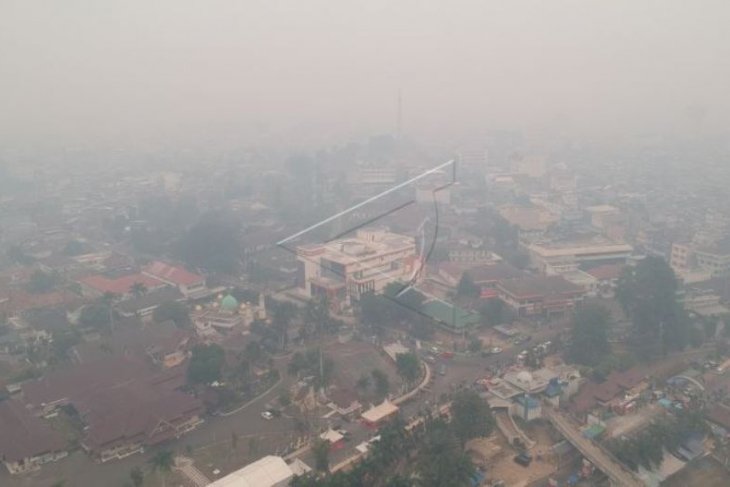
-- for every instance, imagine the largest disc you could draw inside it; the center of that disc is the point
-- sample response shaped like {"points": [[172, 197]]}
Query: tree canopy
{"points": [[648, 295], [312, 363], [206, 364], [408, 367], [471, 416], [467, 287], [381, 383], [590, 340], [212, 243], [42, 282]]}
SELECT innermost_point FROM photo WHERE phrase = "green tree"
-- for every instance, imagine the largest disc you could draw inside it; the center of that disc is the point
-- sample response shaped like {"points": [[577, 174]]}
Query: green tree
{"points": [[312, 363], [590, 339], [63, 340], [42, 282], [234, 440], [97, 316], [137, 476], [475, 344], [321, 451], [16, 254], [494, 312], [363, 383], [206, 363], [381, 383], [138, 289], [470, 416], [162, 463], [467, 288], [73, 248], [441, 460], [173, 311], [408, 367], [648, 295], [212, 243], [285, 399]]}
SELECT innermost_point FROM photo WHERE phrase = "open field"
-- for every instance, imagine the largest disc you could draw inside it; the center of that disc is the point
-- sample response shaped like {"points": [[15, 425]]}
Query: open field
{"points": [[354, 359]]}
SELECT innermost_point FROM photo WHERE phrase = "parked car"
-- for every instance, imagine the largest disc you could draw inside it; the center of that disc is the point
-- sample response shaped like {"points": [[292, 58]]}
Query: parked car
{"points": [[523, 459], [267, 415]]}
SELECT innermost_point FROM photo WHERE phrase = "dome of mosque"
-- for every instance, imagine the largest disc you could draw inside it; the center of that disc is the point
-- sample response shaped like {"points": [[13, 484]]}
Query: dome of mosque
{"points": [[229, 303]]}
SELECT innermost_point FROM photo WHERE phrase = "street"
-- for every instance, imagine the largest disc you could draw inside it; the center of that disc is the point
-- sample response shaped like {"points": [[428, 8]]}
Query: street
{"points": [[79, 471]]}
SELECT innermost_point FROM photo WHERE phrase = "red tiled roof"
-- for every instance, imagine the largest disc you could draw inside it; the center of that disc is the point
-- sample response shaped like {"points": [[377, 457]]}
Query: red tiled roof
{"points": [[606, 272], [591, 393], [176, 275], [120, 285], [75, 382], [539, 286], [24, 435], [134, 411]]}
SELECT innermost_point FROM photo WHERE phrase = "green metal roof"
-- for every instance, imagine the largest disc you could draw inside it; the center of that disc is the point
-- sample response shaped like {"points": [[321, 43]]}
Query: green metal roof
{"points": [[450, 315]]}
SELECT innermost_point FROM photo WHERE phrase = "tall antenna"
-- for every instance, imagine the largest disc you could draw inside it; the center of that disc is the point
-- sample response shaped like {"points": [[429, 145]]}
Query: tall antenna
{"points": [[399, 115]]}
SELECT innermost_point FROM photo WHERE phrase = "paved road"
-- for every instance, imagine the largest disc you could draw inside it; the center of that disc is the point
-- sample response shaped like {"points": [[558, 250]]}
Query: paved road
{"points": [[79, 471], [619, 475], [460, 370]]}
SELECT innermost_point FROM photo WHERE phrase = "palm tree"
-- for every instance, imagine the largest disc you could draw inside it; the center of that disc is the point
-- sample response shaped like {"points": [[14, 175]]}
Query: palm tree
{"points": [[138, 289], [162, 462]]}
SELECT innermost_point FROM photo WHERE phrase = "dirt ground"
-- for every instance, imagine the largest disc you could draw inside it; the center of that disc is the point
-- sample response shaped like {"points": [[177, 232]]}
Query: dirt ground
{"points": [[354, 359], [706, 472], [503, 467]]}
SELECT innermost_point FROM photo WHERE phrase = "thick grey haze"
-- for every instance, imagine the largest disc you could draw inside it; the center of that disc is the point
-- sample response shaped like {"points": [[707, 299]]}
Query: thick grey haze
{"points": [[117, 71]]}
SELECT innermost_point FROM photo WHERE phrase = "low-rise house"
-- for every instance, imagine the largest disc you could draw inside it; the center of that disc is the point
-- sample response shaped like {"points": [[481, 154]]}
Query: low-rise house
{"points": [[526, 407], [191, 285], [118, 284], [144, 306], [125, 405], [26, 441], [344, 402], [378, 415], [486, 276], [540, 295], [334, 438], [269, 471], [124, 420], [163, 344], [614, 391], [607, 276]]}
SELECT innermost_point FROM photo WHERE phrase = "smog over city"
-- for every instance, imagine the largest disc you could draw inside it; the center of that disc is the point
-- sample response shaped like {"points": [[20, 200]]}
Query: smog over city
{"points": [[385, 244]]}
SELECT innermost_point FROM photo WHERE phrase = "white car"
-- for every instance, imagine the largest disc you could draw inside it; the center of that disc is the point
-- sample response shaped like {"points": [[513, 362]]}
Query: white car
{"points": [[267, 415], [495, 350]]}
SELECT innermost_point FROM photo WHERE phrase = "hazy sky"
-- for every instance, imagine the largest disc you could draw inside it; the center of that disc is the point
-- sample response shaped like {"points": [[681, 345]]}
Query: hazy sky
{"points": [[144, 69]]}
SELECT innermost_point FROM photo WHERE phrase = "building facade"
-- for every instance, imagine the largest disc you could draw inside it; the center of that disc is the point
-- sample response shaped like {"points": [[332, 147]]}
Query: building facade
{"points": [[343, 270]]}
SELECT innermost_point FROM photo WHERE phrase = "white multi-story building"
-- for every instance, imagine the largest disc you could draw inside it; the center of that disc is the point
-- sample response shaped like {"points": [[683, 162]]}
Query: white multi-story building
{"points": [[552, 257], [344, 269]]}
